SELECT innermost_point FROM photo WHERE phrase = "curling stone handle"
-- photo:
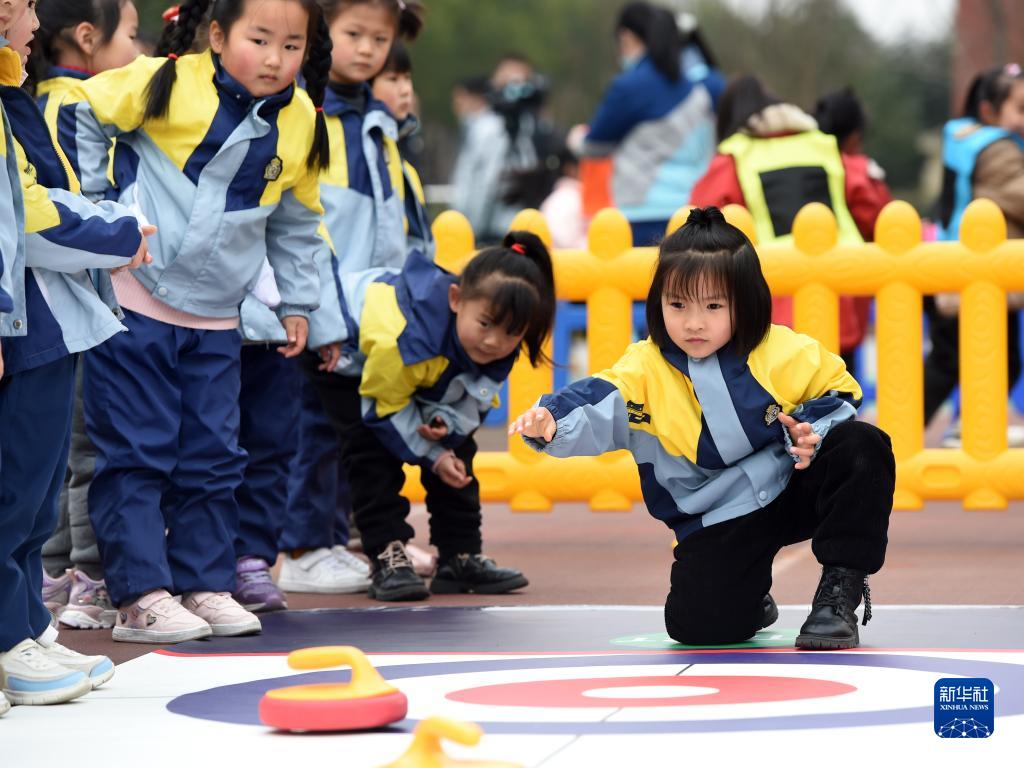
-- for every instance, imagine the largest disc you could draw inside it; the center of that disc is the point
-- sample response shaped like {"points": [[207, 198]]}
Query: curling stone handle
{"points": [[327, 656]]}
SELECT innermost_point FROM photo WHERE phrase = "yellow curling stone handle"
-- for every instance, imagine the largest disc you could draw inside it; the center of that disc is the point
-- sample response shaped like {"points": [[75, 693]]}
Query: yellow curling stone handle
{"points": [[366, 681], [426, 752]]}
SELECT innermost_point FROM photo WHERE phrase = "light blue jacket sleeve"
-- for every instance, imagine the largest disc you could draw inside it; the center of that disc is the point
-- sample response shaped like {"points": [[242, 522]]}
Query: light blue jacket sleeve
{"points": [[292, 247], [590, 417], [81, 235]]}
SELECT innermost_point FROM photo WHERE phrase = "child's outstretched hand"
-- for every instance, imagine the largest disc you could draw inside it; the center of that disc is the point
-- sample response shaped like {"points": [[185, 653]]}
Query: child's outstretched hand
{"points": [[435, 430], [536, 422], [296, 329], [452, 470], [142, 255], [804, 440]]}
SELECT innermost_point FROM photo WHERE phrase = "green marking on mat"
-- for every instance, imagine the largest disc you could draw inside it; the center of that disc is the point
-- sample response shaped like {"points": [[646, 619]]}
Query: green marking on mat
{"points": [[766, 638]]}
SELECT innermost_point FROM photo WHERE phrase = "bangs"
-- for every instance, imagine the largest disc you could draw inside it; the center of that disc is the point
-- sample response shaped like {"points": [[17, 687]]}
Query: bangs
{"points": [[697, 276], [513, 303]]}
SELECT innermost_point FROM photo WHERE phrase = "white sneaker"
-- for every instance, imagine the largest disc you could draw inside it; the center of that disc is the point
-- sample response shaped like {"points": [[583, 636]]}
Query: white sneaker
{"points": [[322, 572], [5, 705], [351, 560], [32, 677], [223, 613], [98, 669]]}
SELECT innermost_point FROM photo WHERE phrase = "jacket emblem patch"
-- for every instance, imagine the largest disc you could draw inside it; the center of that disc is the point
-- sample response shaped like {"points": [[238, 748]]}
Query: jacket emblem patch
{"points": [[273, 170], [636, 413], [771, 413]]}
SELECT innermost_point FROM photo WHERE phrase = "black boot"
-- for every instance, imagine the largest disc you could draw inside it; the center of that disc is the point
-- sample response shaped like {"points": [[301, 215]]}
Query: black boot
{"points": [[771, 611], [474, 573], [832, 623], [394, 578]]}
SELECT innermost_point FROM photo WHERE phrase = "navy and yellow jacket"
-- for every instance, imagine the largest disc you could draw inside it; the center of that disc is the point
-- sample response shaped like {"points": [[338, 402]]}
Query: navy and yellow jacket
{"points": [[361, 193], [403, 345], [12, 212], [224, 178], [704, 432], [58, 309]]}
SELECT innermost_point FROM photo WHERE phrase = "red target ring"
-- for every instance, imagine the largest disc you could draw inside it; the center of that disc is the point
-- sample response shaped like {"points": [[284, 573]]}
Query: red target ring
{"points": [[599, 691]]}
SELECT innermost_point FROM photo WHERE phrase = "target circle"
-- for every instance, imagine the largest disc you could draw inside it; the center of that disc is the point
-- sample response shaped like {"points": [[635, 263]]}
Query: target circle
{"points": [[691, 690]]}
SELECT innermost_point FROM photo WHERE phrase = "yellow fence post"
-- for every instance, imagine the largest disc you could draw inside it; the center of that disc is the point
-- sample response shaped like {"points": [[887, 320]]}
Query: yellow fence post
{"points": [[983, 373], [898, 331], [527, 383], [815, 305]]}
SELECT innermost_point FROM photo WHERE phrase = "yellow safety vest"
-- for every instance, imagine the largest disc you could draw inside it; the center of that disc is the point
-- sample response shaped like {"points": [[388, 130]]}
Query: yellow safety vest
{"points": [[781, 175]]}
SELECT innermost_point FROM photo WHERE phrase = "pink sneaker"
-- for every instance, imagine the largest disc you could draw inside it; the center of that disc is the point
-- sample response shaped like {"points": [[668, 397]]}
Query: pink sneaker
{"points": [[225, 616], [56, 592], [89, 606], [156, 617]]}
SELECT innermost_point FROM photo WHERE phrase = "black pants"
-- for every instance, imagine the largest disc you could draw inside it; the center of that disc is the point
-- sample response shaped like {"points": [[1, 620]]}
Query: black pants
{"points": [[377, 478], [841, 502], [942, 366]]}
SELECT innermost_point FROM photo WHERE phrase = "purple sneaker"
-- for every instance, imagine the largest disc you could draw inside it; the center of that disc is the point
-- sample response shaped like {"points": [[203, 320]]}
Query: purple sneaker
{"points": [[256, 591], [56, 592]]}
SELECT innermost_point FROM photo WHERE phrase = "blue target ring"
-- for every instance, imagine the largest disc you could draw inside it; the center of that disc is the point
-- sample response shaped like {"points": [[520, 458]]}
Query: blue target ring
{"points": [[238, 703]]}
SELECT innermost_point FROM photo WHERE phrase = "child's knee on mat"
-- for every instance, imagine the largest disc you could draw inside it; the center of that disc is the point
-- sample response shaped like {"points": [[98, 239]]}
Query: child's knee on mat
{"points": [[690, 629]]}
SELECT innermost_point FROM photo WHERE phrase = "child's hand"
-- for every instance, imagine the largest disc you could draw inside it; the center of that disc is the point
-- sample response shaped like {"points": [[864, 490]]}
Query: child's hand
{"points": [[435, 430], [330, 354], [804, 440], [536, 422], [452, 470], [142, 255], [296, 328]]}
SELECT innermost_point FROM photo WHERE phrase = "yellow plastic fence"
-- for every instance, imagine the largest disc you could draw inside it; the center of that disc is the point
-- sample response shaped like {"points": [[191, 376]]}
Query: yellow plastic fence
{"points": [[897, 269]]}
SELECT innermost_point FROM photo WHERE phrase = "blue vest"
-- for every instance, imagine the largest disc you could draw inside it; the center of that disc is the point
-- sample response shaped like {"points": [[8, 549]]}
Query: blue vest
{"points": [[960, 149]]}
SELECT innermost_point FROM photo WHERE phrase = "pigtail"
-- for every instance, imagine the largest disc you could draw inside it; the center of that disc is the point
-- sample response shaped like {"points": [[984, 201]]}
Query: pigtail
{"points": [[316, 72], [410, 19], [176, 40], [542, 279]]}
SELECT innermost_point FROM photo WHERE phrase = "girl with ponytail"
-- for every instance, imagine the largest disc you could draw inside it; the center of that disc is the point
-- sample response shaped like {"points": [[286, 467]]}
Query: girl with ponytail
{"points": [[222, 150], [364, 213], [426, 354], [745, 441]]}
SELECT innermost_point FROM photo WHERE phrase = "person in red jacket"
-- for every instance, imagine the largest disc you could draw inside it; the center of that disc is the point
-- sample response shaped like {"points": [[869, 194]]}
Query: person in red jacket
{"points": [[761, 119]]}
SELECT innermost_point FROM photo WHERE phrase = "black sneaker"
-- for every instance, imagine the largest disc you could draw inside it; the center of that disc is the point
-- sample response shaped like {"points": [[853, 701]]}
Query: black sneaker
{"points": [[832, 623], [475, 573], [393, 578]]}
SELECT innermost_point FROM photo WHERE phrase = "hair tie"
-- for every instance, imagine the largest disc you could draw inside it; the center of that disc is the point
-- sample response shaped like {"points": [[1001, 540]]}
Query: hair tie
{"points": [[318, 109], [401, 5], [1013, 70], [172, 56], [518, 248], [171, 14]]}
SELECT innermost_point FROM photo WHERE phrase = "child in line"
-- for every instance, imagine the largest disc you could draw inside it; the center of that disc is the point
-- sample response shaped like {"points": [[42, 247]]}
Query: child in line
{"points": [[718, 408], [983, 155], [74, 41], [364, 213], [425, 357], [50, 310], [222, 150], [394, 89]]}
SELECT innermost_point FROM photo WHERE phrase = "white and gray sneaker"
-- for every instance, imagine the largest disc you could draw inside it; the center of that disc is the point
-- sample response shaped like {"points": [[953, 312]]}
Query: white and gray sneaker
{"points": [[32, 677], [322, 571], [99, 669], [5, 705], [351, 560]]}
